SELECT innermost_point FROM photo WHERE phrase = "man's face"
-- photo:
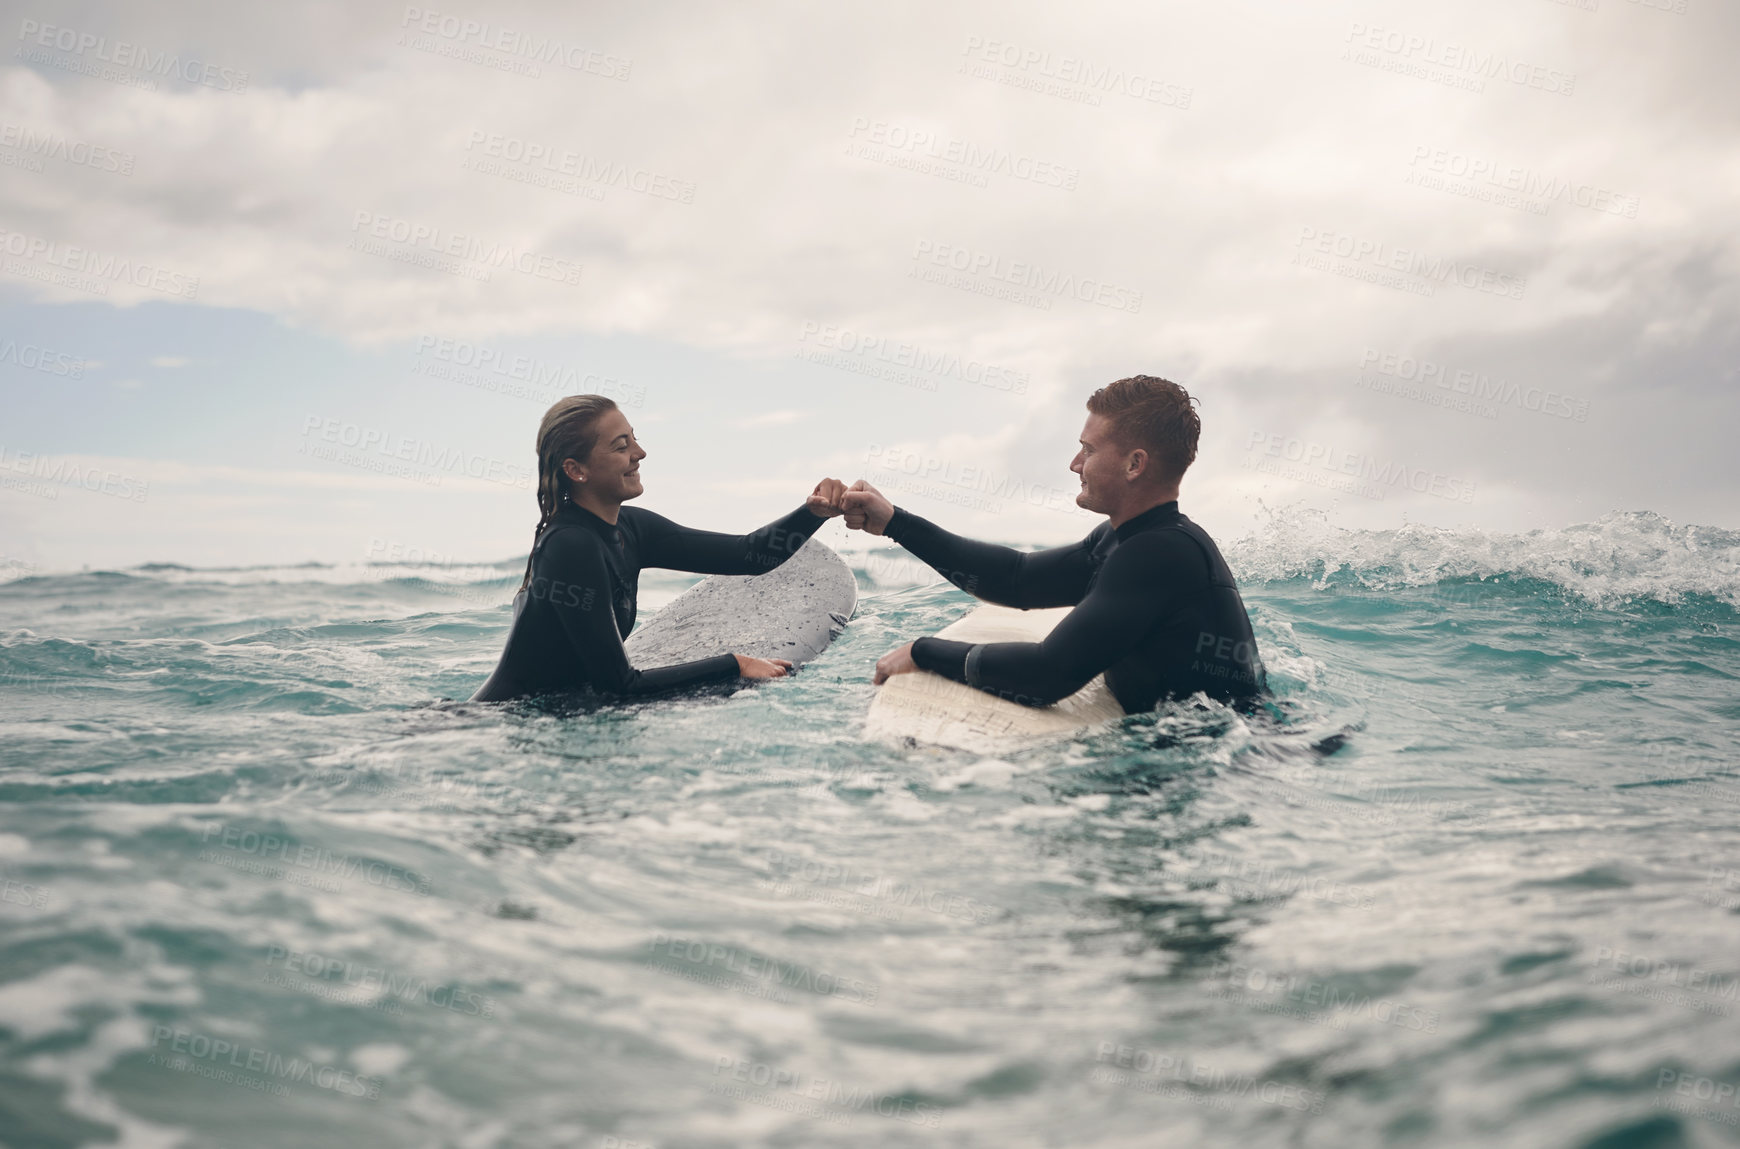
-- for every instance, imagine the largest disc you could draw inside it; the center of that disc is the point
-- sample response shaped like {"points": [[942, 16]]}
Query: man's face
{"points": [[1103, 466]]}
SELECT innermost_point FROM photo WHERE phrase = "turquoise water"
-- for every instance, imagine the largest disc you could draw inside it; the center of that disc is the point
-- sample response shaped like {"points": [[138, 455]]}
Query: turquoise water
{"points": [[1475, 881]]}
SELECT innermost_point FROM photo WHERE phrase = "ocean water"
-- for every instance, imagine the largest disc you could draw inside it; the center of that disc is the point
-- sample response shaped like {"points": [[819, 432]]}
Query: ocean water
{"points": [[1472, 880]]}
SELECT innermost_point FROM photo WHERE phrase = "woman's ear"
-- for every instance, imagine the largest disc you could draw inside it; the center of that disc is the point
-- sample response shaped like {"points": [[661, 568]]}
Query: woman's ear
{"points": [[574, 470]]}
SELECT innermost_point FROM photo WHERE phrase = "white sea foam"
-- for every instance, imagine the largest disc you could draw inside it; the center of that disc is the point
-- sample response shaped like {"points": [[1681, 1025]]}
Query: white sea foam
{"points": [[1623, 555], [333, 574]]}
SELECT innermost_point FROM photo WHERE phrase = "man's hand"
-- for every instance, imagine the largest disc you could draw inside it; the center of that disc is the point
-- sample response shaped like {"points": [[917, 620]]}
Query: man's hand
{"points": [[761, 667], [826, 500], [867, 509], [894, 662]]}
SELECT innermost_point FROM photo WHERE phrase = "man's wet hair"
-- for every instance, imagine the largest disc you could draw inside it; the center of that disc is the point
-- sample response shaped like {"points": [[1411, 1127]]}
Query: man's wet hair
{"points": [[1154, 414]]}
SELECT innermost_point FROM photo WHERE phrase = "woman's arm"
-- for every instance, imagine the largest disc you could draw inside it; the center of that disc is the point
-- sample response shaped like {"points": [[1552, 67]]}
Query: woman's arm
{"points": [[572, 578], [667, 544]]}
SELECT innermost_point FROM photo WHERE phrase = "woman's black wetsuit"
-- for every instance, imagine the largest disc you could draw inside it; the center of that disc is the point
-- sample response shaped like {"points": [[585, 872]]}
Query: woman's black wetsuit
{"points": [[1156, 609], [570, 620]]}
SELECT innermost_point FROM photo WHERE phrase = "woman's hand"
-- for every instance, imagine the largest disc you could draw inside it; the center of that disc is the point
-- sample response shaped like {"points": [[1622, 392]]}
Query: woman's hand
{"points": [[828, 499], [761, 667]]}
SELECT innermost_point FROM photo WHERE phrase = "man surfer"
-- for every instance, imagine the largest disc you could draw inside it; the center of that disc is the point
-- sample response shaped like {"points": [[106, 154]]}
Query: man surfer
{"points": [[1156, 608]]}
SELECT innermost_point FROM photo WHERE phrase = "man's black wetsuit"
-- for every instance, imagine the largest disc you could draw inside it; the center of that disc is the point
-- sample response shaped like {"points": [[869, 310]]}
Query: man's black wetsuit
{"points": [[1156, 609], [570, 620]]}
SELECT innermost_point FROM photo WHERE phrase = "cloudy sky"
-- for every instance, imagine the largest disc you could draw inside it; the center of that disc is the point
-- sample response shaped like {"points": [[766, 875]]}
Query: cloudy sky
{"points": [[294, 282]]}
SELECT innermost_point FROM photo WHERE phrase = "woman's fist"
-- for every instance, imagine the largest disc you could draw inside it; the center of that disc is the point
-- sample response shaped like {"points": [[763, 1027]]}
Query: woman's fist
{"points": [[826, 500]]}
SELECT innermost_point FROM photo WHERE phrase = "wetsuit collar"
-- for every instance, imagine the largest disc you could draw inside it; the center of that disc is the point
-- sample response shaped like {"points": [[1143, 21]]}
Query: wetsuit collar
{"points": [[575, 513], [1148, 518]]}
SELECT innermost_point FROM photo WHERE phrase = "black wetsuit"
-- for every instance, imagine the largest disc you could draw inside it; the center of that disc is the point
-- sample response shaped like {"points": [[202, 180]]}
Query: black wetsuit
{"points": [[1156, 609], [570, 620]]}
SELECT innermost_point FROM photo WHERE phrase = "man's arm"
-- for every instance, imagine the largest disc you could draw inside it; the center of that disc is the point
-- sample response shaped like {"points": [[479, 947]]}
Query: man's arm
{"points": [[1054, 577], [1109, 623]]}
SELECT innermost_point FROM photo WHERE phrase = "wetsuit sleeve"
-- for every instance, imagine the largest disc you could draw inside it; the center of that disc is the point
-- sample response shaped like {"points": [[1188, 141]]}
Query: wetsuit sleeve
{"points": [[1139, 580], [573, 579], [1003, 575], [674, 547]]}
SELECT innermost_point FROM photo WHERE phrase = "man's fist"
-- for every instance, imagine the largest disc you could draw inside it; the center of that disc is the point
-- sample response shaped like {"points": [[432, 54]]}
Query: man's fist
{"points": [[825, 500], [867, 509]]}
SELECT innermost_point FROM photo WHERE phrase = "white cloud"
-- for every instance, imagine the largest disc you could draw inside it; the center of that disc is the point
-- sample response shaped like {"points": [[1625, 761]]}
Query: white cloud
{"points": [[769, 419], [756, 178]]}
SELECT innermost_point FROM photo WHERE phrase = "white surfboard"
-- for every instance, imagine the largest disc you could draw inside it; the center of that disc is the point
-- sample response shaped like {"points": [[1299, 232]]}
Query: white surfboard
{"points": [[929, 708], [793, 612]]}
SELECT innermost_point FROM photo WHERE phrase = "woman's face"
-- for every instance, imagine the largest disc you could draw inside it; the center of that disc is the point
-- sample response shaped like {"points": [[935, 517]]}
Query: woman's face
{"points": [[611, 474]]}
